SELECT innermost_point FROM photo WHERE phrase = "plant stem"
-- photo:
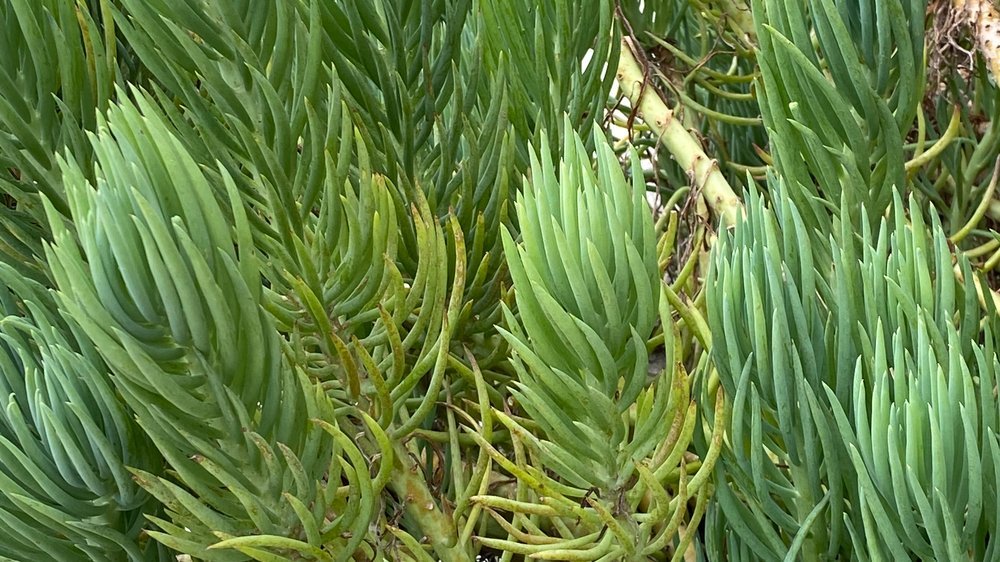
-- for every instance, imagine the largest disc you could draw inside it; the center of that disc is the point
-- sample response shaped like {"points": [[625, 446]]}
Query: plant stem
{"points": [[438, 527], [683, 145]]}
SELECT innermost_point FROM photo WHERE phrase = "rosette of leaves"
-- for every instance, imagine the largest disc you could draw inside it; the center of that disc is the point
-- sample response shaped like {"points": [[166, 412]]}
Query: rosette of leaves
{"points": [[863, 397], [840, 86], [920, 425], [65, 438], [770, 366], [170, 295], [586, 285], [599, 451]]}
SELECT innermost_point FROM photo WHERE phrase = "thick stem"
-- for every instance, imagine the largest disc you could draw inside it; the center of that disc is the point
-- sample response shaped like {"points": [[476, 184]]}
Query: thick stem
{"points": [[803, 507], [683, 145], [438, 527], [740, 18]]}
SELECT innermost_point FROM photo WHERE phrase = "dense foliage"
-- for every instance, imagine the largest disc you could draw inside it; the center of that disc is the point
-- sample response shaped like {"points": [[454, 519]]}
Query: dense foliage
{"points": [[593, 280]]}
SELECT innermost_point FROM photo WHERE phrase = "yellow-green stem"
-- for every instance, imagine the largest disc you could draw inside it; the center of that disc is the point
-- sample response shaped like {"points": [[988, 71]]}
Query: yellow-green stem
{"points": [[421, 505], [683, 145]]}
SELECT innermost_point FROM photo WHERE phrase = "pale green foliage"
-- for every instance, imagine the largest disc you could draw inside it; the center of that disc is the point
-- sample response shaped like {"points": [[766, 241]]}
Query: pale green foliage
{"points": [[585, 279], [842, 121], [154, 279], [65, 438], [859, 356], [868, 390], [587, 287]]}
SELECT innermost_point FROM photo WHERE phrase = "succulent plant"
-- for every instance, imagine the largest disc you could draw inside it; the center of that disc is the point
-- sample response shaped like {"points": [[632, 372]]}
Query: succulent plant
{"points": [[393, 280]]}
